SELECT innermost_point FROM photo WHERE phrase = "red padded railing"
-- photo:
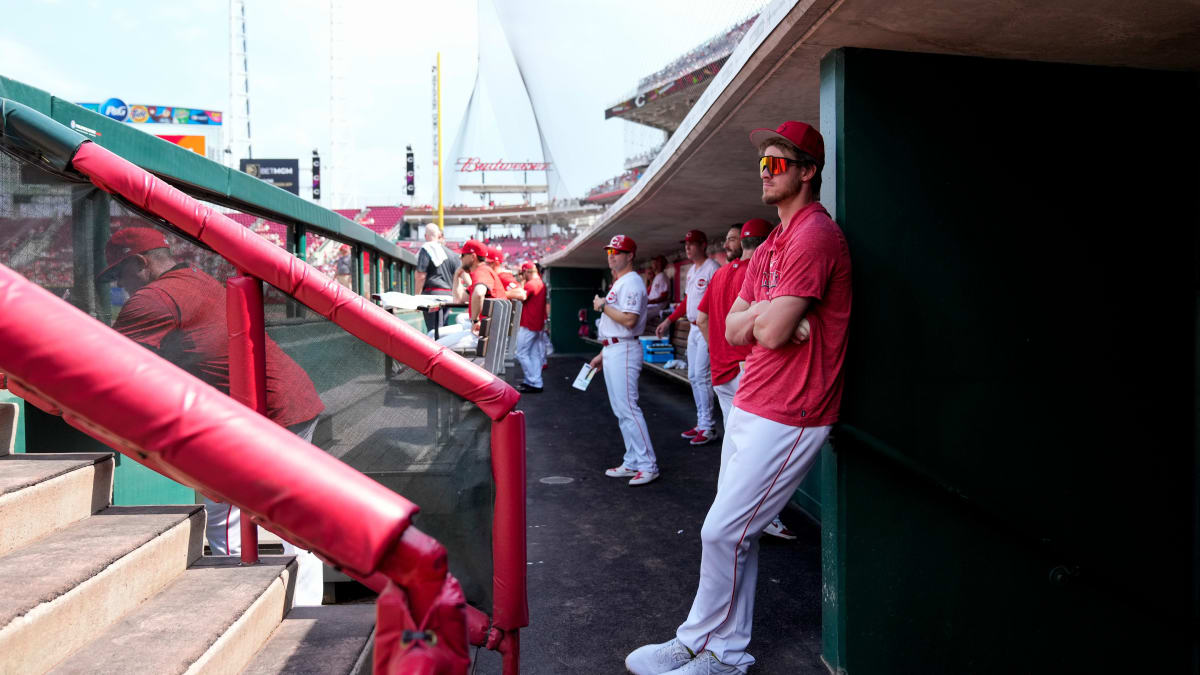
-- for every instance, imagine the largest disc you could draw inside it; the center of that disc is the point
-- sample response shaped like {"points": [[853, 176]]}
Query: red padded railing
{"points": [[432, 595], [62, 360]]}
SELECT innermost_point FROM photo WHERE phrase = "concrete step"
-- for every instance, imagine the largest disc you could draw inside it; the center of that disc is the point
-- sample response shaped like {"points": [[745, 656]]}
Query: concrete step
{"points": [[212, 619], [40, 493], [67, 587], [330, 640]]}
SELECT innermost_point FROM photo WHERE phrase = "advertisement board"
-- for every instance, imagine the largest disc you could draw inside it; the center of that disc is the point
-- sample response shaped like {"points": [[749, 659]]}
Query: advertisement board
{"points": [[282, 173], [139, 113], [194, 143]]}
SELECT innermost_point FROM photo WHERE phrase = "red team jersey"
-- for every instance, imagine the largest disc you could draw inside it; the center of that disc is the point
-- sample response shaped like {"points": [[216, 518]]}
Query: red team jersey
{"points": [[507, 280], [533, 312], [181, 316], [482, 274], [800, 384], [722, 292]]}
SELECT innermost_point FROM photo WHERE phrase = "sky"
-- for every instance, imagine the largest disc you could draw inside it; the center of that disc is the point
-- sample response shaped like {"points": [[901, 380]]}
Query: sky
{"points": [[577, 56]]}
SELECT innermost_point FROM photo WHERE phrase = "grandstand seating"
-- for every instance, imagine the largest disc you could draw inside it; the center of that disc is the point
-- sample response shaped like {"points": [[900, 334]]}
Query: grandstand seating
{"points": [[383, 219]]}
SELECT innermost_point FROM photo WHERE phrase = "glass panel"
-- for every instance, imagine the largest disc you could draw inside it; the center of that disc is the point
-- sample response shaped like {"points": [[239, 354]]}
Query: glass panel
{"points": [[385, 420], [332, 257]]}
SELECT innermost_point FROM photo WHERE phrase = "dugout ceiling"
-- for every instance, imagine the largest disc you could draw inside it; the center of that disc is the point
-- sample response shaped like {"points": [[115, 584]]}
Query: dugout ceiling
{"points": [[705, 176]]}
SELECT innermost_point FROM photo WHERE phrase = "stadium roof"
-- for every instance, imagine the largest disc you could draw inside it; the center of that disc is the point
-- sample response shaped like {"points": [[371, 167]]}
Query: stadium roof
{"points": [[705, 178]]}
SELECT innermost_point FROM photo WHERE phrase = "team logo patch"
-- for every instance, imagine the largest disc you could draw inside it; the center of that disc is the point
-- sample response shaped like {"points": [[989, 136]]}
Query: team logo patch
{"points": [[612, 297], [700, 283]]}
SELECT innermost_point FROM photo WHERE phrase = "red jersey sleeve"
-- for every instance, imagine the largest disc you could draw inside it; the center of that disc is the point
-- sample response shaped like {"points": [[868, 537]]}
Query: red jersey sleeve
{"points": [[147, 317], [680, 309]]}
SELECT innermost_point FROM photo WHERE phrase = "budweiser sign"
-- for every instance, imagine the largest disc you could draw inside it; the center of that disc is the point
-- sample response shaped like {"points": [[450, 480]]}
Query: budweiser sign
{"points": [[471, 164]]}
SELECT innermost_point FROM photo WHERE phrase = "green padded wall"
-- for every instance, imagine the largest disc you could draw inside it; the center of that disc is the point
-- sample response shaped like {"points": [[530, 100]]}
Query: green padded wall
{"points": [[1013, 487], [572, 289]]}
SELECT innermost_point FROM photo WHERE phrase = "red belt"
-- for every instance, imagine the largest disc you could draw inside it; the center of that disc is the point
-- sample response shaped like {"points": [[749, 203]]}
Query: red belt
{"points": [[611, 341]]}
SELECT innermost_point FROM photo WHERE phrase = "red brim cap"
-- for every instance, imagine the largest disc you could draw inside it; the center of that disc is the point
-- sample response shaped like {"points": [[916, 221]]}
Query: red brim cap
{"points": [[128, 242], [621, 243], [694, 236], [475, 248], [799, 134], [756, 227]]}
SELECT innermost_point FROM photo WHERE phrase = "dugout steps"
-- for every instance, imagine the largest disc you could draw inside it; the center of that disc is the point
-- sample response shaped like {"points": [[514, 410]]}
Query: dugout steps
{"points": [[93, 587]]}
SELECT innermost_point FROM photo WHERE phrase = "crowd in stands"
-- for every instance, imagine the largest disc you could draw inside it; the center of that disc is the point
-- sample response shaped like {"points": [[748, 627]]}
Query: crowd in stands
{"points": [[39, 249], [720, 46], [618, 183]]}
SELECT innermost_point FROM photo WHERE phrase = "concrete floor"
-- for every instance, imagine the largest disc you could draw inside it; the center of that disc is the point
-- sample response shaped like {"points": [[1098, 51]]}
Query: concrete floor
{"points": [[612, 567]]}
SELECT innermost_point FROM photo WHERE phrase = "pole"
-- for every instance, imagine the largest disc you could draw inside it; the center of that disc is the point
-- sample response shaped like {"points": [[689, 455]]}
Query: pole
{"points": [[247, 369], [441, 212]]}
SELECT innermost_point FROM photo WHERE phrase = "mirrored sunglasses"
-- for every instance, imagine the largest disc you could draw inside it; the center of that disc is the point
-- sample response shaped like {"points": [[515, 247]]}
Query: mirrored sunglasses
{"points": [[775, 165]]}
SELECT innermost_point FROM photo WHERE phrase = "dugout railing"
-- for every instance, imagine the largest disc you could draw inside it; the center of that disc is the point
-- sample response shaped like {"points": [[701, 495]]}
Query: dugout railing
{"points": [[369, 538]]}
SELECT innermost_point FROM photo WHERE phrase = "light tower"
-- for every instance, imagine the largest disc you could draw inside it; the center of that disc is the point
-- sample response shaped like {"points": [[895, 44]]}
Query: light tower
{"points": [[238, 120], [336, 169]]}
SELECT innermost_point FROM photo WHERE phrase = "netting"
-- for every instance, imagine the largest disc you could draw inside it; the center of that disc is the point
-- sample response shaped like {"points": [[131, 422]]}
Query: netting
{"points": [[379, 417]]}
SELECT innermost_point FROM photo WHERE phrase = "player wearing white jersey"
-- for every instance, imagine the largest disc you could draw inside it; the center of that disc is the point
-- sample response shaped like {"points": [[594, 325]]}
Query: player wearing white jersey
{"points": [[699, 373], [623, 317]]}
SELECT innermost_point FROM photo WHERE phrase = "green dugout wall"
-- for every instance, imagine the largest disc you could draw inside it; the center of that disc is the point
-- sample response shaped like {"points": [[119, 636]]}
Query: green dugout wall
{"points": [[1014, 482], [389, 265]]}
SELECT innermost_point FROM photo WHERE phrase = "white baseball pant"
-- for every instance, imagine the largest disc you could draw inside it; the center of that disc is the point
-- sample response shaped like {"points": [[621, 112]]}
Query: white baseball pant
{"points": [[700, 375], [531, 353], [622, 368], [762, 464], [725, 393], [224, 532]]}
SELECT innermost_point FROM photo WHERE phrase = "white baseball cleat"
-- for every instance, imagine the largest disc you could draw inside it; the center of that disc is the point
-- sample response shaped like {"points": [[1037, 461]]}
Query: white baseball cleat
{"points": [[643, 477], [658, 659], [620, 472], [704, 664], [776, 528], [704, 436]]}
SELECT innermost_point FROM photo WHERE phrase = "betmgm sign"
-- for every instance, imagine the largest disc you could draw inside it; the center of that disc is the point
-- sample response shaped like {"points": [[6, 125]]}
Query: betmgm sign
{"points": [[282, 173]]}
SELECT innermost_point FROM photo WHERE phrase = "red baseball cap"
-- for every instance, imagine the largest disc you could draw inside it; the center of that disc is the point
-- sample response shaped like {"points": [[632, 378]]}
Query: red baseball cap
{"points": [[127, 243], [528, 266], [475, 247], [799, 134], [695, 236], [622, 243], [495, 254], [756, 227]]}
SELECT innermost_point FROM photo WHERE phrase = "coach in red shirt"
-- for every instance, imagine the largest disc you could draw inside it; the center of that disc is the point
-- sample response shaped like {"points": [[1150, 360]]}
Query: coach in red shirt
{"points": [[531, 350], [178, 313], [788, 398]]}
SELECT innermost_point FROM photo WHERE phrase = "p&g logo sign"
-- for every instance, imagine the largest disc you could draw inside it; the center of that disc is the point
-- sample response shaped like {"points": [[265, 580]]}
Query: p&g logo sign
{"points": [[115, 108]]}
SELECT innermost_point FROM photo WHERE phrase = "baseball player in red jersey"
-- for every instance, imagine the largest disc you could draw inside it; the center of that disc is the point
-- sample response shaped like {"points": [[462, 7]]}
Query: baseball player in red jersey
{"points": [[727, 360], [622, 319], [531, 349], [787, 400], [178, 313], [703, 267], [512, 290], [481, 282]]}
